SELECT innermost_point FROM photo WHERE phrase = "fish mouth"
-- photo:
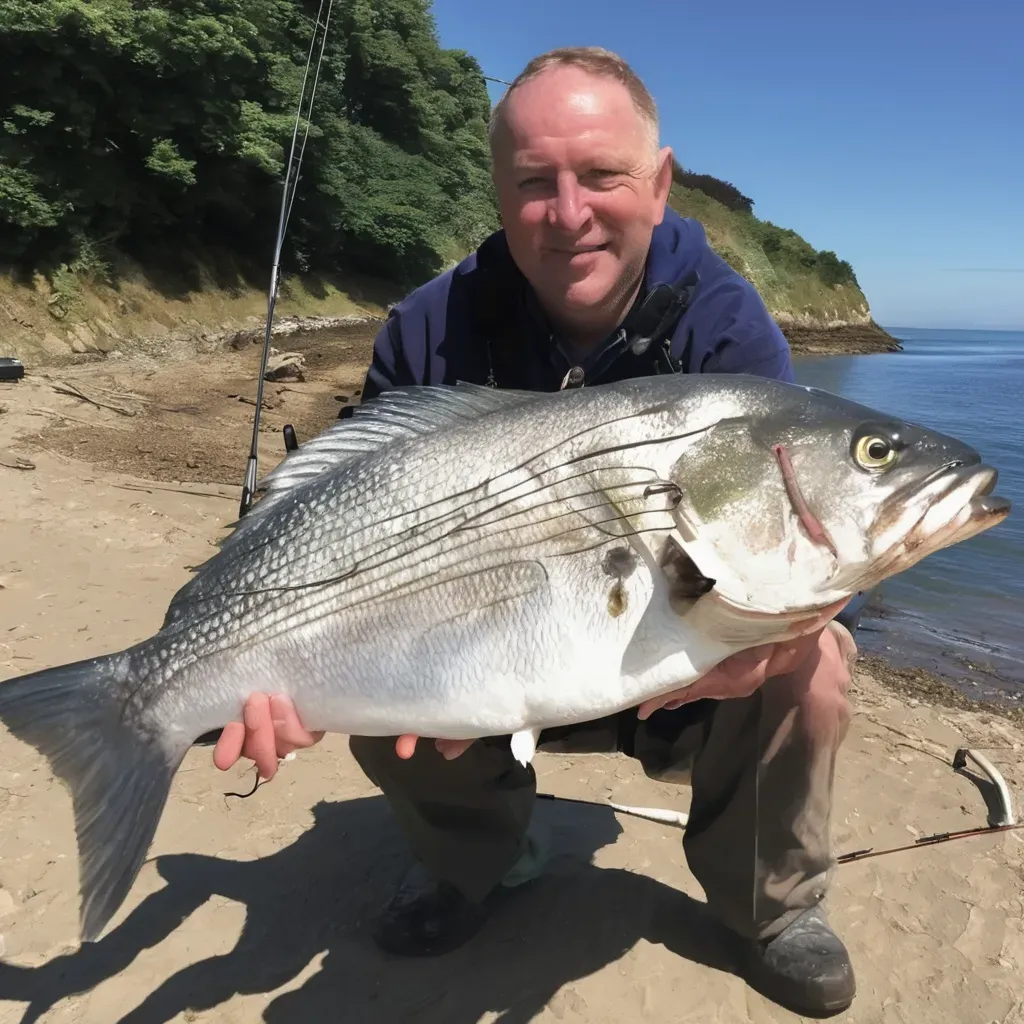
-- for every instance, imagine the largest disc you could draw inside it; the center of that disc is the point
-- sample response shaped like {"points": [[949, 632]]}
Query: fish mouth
{"points": [[980, 509], [959, 503]]}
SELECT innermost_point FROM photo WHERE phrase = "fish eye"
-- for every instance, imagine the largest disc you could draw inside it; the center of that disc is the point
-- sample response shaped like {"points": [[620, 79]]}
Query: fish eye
{"points": [[874, 452]]}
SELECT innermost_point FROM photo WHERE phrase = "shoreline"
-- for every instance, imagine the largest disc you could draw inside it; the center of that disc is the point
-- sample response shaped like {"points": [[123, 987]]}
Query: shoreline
{"points": [[838, 339], [134, 318], [915, 683]]}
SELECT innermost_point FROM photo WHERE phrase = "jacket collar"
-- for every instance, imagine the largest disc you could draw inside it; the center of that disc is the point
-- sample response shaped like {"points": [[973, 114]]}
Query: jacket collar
{"points": [[669, 283]]}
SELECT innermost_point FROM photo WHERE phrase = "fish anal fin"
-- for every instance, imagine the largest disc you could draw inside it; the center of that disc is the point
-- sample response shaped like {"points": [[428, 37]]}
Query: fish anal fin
{"points": [[524, 745]]}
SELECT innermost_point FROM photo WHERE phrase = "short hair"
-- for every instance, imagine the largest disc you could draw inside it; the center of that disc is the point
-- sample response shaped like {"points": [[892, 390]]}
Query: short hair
{"points": [[596, 61]]}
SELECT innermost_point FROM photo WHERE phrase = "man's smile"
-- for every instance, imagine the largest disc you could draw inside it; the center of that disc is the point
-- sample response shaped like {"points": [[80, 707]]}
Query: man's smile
{"points": [[578, 250]]}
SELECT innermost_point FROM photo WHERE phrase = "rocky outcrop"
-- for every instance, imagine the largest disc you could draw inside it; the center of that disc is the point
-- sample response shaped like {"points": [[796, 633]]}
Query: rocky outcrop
{"points": [[288, 325], [98, 338], [839, 338]]}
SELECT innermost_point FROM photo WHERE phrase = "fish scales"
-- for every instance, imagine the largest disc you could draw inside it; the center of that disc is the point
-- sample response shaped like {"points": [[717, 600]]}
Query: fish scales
{"points": [[427, 541]]}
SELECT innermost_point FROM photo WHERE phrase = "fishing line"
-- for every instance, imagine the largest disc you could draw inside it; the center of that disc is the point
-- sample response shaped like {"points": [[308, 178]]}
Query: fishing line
{"points": [[256, 785], [287, 200], [757, 810]]}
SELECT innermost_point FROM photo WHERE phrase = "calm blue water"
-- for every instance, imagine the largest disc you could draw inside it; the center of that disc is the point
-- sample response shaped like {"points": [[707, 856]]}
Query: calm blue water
{"points": [[960, 611]]}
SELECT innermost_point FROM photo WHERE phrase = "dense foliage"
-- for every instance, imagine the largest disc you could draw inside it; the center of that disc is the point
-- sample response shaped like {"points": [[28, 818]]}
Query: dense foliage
{"points": [[721, 191], [145, 126], [785, 249]]}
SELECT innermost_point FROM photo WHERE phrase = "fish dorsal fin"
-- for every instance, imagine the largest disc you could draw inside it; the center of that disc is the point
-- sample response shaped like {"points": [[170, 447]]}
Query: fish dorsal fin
{"points": [[392, 416]]}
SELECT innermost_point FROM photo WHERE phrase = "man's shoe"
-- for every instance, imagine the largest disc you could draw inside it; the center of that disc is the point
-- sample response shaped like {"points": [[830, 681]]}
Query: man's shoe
{"points": [[427, 918], [804, 968]]}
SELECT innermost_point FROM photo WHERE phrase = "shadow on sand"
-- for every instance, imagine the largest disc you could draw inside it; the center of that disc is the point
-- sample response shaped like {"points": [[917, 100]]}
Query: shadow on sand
{"points": [[317, 896]]}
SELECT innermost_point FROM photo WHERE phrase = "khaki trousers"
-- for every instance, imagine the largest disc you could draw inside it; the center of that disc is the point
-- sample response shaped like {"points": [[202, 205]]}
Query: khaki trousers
{"points": [[760, 849]]}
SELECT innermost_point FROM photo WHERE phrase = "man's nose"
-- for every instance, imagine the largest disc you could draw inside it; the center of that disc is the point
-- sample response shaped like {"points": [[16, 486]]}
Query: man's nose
{"points": [[569, 208]]}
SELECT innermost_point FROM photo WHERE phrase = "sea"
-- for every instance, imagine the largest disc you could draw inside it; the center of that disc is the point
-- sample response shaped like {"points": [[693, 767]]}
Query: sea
{"points": [[959, 612]]}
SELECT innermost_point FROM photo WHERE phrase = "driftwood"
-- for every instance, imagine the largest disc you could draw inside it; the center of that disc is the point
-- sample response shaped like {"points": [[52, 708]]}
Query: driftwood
{"points": [[75, 392], [12, 461]]}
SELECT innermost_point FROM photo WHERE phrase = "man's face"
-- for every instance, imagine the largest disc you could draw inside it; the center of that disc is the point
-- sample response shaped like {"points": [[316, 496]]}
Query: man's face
{"points": [[580, 187]]}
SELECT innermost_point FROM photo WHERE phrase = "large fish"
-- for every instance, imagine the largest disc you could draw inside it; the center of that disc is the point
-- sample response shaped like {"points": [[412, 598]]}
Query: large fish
{"points": [[461, 562]]}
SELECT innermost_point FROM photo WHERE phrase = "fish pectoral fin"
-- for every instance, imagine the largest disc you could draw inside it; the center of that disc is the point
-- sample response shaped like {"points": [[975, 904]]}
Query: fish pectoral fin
{"points": [[524, 745], [686, 583]]}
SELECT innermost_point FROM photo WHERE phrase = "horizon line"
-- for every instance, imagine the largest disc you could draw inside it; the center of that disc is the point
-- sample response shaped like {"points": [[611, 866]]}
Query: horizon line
{"points": [[890, 328]]}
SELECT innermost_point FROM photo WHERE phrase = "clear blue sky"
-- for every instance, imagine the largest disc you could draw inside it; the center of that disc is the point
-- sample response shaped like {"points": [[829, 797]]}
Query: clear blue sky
{"points": [[889, 131]]}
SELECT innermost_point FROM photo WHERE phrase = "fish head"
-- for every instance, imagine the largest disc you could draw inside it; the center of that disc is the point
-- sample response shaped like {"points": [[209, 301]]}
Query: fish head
{"points": [[801, 498]]}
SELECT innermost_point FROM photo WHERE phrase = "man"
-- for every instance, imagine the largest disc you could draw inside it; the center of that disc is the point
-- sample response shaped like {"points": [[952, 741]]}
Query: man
{"points": [[594, 279]]}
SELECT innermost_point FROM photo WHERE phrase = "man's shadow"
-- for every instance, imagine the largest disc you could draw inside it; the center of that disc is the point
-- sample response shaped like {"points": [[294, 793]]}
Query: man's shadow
{"points": [[317, 895]]}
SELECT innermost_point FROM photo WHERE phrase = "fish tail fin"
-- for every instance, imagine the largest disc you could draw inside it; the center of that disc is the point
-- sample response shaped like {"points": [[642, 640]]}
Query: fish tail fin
{"points": [[119, 775]]}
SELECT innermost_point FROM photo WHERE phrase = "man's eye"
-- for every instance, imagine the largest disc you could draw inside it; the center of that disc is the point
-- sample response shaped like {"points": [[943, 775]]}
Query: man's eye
{"points": [[602, 177], [531, 182]]}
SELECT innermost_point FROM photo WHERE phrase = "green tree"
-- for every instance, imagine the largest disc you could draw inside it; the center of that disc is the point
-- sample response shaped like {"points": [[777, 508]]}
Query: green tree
{"points": [[157, 126]]}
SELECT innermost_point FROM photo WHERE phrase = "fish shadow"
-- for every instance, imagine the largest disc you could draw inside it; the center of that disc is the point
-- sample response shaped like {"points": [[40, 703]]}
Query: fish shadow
{"points": [[319, 895]]}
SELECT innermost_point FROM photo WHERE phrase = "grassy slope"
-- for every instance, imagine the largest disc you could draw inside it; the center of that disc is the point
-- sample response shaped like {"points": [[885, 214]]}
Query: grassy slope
{"points": [[790, 292], [43, 319]]}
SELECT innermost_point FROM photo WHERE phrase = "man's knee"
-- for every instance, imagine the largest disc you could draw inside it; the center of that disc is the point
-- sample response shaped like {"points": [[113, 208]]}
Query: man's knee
{"points": [[826, 704], [816, 692]]}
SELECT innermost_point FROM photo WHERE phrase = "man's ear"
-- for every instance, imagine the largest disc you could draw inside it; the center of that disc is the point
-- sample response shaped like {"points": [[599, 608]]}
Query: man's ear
{"points": [[663, 182]]}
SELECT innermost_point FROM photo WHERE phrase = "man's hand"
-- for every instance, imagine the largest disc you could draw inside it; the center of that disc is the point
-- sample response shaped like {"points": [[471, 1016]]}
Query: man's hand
{"points": [[741, 674], [271, 730], [737, 676], [450, 749]]}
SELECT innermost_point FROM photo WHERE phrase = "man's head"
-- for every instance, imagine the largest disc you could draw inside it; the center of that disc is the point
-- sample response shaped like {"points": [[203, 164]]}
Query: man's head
{"points": [[581, 182]]}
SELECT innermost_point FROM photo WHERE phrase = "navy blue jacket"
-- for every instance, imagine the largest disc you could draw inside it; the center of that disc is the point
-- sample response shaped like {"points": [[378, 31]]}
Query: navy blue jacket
{"points": [[480, 322]]}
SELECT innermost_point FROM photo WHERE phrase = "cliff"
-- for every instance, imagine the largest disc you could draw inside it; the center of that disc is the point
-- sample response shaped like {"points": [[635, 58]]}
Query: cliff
{"points": [[813, 295]]}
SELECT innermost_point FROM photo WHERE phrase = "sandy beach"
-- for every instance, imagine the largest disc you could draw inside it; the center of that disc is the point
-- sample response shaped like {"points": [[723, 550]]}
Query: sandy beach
{"points": [[257, 910]]}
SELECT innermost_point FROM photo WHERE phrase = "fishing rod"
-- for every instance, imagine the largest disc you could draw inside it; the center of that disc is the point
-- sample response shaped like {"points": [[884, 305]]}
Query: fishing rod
{"points": [[1001, 819], [932, 840], [288, 191], [680, 819]]}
